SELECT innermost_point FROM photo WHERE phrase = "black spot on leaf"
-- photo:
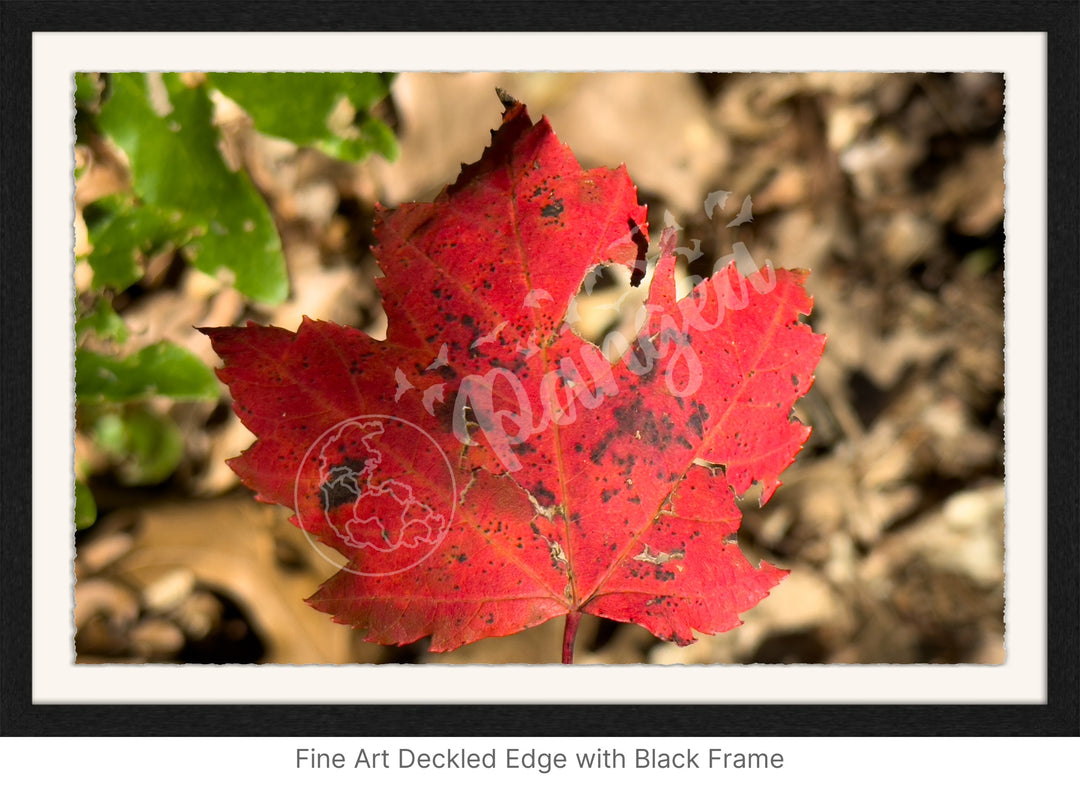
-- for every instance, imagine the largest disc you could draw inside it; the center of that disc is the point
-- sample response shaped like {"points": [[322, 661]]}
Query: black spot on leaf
{"points": [[553, 209], [543, 495]]}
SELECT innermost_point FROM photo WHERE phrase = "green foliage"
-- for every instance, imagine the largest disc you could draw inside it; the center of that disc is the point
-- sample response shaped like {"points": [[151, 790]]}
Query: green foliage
{"points": [[165, 129], [185, 197], [145, 447], [124, 234], [330, 112], [102, 321], [87, 90], [161, 369], [85, 507]]}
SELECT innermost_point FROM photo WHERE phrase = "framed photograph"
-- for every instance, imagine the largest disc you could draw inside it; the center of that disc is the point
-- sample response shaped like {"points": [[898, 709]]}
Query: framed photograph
{"points": [[521, 377]]}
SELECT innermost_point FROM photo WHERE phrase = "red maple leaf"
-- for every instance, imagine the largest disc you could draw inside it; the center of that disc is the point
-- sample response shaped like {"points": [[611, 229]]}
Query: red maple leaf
{"points": [[484, 469]]}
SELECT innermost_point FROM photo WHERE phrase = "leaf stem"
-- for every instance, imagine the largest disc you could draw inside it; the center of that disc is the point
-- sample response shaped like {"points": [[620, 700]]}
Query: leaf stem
{"points": [[573, 618]]}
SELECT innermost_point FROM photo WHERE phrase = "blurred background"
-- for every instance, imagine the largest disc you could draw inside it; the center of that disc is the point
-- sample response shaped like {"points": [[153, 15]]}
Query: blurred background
{"points": [[889, 188]]}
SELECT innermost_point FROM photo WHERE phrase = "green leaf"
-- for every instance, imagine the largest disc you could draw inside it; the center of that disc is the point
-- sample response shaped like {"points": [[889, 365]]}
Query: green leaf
{"points": [[85, 507], [110, 434], [165, 129], [123, 235], [327, 111], [103, 321], [146, 447], [162, 369], [87, 90]]}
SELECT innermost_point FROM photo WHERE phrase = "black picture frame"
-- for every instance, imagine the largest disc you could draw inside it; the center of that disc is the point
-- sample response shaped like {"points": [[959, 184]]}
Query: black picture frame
{"points": [[1060, 21]]}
